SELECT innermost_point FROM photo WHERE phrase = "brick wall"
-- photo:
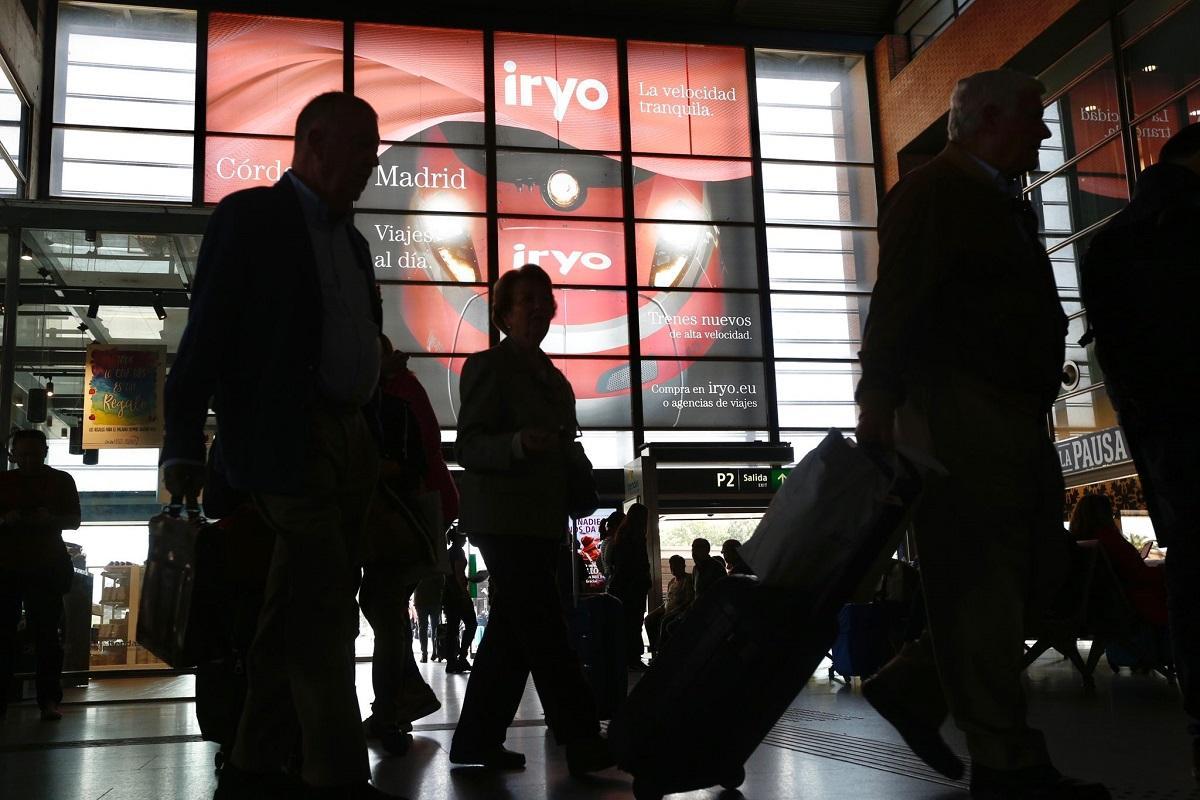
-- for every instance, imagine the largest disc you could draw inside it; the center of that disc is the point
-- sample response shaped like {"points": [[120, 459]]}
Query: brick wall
{"points": [[987, 35]]}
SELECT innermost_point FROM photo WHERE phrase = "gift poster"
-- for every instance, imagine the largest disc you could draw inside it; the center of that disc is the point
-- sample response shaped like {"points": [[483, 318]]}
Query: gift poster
{"points": [[123, 396]]}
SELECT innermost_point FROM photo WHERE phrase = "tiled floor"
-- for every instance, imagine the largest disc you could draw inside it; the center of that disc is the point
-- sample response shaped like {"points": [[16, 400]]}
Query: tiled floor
{"points": [[115, 745]]}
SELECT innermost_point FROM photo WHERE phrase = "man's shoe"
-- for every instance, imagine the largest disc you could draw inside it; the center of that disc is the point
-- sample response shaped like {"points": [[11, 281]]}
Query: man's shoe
{"points": [[390, 736], [51, 712], [458, 666], [238, 784], [1033, 783], [924, 739], [424, 658], [498, 757], [424, 705], [589, 755]]}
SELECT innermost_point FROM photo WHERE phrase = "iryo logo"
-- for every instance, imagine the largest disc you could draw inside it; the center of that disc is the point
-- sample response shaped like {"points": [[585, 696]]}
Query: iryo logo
{"points": [[565, 261], [589, 92]]}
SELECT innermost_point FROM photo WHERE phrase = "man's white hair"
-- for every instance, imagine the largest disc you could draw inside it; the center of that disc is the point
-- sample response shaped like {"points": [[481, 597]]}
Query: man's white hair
{"points": [[1001, 88]]}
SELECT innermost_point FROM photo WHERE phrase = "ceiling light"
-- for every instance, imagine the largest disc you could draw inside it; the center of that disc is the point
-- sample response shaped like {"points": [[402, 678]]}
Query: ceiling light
{"points": [[1150, 68], [1195, 113], [26, 253], [93, 310], [158, 306], [50, 388], [1089, 108]]}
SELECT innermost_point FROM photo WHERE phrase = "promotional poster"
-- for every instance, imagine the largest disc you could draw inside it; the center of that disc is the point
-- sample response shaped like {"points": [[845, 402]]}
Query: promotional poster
{"points": [[123, 396]]}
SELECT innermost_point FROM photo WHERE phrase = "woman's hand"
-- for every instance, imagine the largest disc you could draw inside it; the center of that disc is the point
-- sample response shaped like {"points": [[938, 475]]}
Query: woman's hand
{"points": [[535, 441]]}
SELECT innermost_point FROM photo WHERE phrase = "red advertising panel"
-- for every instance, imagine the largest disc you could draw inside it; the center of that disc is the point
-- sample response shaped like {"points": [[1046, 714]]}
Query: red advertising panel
{"points": [[689, 99], [1094, 116], [553, 90], [416, 78], [232, 163], [262, 70], [573, 253]]}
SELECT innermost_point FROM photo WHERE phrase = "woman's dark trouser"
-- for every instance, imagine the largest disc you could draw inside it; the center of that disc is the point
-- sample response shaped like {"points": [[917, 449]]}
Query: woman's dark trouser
{"points": [[459, 609], [526, 633], [384, 602], [633, 605], [43, 618], [427, 622]]}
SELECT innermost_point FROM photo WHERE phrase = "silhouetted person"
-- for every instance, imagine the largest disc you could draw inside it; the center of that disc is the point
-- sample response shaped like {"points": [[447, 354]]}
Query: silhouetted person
{"points": [[428, 601], [705, 571], [37, 503], [679, 597], [734, 563], [284, 305], [515, 426], [1144, 585], [630, 578], [1140, 281], [962, 358], [400, 551], [459, 607]]}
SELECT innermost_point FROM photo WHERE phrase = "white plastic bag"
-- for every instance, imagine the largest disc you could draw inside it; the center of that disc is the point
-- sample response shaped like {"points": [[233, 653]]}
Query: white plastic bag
{"points": [[818, 521]]}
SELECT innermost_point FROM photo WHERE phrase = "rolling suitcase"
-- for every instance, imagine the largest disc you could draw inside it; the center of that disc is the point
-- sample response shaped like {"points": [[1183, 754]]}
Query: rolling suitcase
{"points": [[758, 641], [863, 642], [598, 634]]}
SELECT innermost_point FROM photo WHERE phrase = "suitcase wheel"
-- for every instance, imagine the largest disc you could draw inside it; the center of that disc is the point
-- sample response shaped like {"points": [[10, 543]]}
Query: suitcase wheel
{"points": [[734, 780], [644, 790]]}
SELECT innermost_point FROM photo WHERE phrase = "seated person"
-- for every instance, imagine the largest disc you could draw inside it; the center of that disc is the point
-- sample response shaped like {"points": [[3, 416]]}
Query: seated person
{"points": [[734, 564], [1144, 585], [705, 569], [679, 597]]}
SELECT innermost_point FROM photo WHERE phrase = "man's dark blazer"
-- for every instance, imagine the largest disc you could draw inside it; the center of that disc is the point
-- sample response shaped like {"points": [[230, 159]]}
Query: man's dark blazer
{"points": [[253, 343]]}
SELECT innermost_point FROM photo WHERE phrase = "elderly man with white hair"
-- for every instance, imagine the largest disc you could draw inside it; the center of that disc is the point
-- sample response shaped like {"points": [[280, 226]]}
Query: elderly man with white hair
{"points": [[961, 358]]}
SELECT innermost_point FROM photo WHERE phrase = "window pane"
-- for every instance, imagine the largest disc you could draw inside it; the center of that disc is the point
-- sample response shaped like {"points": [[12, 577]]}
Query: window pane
{"points": [[1142, 14], [821, 259], [678, 393], [589, 322], [691, 324], [692, 190], [428, 179], [930, 24], [688, 99], [8, 180], [608, 449], [1083, 58], [817, 326], [601, 389], [417, 78], [112, 259], [572, 252], [814, 395], [131, 166], [426, 247], [126, 66], [262, 70], [1094, 188], [804, 442], [816, 194], [1083, 413], [233, 163], [435, 319], [556, 90], [439, 377], [1164, 60], [813, 107], [1081, 118], [558, 183], [1153, 133], [676, 254]]}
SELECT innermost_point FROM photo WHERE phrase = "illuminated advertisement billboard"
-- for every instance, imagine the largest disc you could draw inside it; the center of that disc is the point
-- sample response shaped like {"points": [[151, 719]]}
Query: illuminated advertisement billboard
{"points": [[552, 190]]}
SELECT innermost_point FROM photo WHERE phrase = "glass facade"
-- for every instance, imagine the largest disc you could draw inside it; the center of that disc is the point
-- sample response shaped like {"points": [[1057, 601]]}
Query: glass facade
{"points": [[1112, 102], [706, 212], [14, 123]]}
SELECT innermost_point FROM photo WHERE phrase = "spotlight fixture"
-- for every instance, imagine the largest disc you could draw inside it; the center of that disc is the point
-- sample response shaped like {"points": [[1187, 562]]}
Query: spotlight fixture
{"points": [[158, 306], [1150, 68], [82, 327], [26, 253], [50, 388], [45, 273], [89, 235], [93, 305]]}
